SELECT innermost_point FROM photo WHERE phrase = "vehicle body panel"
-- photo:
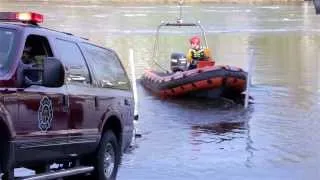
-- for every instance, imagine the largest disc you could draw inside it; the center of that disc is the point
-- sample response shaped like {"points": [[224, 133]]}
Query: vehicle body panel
{"points": [[78, 113]]}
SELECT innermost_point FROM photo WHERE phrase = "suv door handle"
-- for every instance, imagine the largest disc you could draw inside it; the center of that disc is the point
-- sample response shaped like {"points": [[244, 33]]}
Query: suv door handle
{"points": [[96, 102], [78, 78], [65, 103]]}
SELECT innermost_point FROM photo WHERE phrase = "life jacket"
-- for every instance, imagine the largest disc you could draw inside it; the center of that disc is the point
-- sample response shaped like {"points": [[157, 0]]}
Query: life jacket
{"points": [[197, 54]]}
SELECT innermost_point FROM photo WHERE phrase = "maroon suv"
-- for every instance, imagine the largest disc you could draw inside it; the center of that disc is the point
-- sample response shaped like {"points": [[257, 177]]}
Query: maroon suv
{"points": [[64, 101]]}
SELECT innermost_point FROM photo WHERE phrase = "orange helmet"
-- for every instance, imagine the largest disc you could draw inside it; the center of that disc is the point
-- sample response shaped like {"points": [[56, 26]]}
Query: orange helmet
{"points": [[195, 40]]}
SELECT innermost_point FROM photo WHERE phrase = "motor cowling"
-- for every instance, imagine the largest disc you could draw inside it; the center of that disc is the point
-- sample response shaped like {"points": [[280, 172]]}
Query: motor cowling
{"points": [[178, 62]]}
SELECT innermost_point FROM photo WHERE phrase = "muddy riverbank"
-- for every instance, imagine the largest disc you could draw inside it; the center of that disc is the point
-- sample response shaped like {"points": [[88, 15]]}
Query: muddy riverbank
{"points": [[185, 2], [207, 1]]}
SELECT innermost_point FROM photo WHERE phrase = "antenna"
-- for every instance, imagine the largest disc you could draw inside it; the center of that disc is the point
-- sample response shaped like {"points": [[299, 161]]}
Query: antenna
{"points": [[180, 3]]}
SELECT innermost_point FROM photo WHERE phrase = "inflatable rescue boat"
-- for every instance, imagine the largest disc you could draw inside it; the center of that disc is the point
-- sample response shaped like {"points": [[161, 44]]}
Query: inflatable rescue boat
{"points": [[206, 80]]}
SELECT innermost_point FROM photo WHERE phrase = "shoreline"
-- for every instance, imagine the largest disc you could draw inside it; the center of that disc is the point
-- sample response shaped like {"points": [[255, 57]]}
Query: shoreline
{"points": [[186, 2]]}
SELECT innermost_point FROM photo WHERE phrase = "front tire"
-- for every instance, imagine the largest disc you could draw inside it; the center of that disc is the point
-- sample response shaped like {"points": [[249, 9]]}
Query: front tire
{"points": [[6, 170], [107, 157]]}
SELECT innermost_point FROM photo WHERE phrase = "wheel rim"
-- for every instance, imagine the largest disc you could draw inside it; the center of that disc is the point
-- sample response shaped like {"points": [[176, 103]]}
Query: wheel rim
{"points": [[109, 160]]}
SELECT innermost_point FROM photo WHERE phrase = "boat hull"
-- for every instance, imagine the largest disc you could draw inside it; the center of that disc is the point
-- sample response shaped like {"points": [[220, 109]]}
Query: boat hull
{"points": [[207, 82]]}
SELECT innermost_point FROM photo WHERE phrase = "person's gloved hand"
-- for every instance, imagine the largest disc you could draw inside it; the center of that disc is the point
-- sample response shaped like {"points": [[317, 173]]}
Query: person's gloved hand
{"points": [[207, 53]]}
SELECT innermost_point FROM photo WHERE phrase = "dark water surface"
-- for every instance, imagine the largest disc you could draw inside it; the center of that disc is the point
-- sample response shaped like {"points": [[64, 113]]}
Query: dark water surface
{"points": [[278, 137]]}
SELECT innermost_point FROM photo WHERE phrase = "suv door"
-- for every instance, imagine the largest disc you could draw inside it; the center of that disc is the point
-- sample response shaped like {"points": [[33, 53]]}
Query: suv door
{"points": [[112, 87], [82, 131], [42, 111]]}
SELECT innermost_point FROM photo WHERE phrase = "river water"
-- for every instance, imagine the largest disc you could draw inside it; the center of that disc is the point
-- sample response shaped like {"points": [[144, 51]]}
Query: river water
{"points": [[277, 137]]}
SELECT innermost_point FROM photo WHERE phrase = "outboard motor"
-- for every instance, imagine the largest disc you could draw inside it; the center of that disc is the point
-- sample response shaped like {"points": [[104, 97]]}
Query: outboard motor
{"points": [[317, 6], [178, 62]]}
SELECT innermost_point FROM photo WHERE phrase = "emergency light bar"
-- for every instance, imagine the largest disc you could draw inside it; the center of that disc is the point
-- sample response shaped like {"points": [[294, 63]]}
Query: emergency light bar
{"points": [[25, 17]]}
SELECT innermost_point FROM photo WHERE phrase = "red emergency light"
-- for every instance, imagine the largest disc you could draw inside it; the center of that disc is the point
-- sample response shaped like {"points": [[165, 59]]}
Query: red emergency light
{"points": [[25, 17]]}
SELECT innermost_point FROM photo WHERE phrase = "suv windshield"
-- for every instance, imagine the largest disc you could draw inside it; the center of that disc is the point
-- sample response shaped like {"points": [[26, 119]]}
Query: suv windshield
{"points": [[6, 45]]}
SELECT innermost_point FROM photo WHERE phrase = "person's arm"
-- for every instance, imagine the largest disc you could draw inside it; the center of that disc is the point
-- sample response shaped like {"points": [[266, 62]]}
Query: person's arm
{"points": [[189, 56]]}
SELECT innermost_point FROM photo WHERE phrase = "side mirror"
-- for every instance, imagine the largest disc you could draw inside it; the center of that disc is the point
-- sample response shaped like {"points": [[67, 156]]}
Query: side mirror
{"points": [[53, 72], [50, 73]]}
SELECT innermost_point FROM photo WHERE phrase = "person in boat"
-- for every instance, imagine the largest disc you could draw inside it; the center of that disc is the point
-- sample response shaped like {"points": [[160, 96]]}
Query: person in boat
{"points": [[196, 53]]}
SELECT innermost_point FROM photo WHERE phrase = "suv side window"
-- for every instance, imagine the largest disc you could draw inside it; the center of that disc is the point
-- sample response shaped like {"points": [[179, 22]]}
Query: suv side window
{"points": [[36, 49], [7, 49], [106, 67], [75, 66]]}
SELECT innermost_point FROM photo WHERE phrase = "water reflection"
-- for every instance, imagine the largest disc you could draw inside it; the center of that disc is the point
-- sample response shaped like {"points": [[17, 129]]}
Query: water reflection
{"points": [[218, 128]]}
